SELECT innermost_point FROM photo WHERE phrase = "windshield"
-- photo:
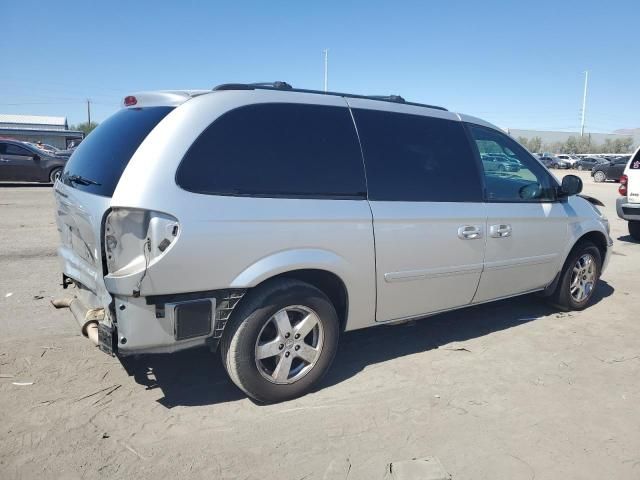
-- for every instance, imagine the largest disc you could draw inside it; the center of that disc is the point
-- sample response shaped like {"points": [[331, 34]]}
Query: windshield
{"points": [[98, 162]]}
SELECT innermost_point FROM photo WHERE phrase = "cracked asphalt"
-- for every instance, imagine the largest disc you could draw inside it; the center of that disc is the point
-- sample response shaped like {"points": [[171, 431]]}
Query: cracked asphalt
{"points": [[509, 390]]}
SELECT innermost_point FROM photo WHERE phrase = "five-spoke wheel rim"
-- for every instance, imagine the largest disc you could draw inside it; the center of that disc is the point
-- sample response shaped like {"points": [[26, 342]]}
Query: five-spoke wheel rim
{"points": [[583, 278], [289, 344]]}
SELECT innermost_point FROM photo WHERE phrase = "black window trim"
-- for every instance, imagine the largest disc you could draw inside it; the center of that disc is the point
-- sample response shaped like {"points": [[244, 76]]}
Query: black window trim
{"points": [[476, 153], [288, 195]]}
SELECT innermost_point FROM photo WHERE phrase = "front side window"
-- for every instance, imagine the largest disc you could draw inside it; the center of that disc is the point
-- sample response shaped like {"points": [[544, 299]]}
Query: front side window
{"points": [[415, 158], [510, 173], [277, 150]]}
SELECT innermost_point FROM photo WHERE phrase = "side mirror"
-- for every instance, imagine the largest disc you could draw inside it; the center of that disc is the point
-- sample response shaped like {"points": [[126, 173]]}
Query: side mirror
{"points": [[571, 185]]}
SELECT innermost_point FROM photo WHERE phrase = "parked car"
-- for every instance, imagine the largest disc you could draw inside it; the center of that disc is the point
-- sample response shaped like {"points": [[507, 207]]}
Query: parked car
{"points": [[628, 205], [22, 161], [553, 162], [610, 170], [244, 219], [570, 160], [587, 163], [499, 163]]}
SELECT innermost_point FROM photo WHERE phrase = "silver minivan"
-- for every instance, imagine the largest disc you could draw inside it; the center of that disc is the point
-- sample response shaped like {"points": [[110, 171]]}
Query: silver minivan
{"points": [[262, 221]]}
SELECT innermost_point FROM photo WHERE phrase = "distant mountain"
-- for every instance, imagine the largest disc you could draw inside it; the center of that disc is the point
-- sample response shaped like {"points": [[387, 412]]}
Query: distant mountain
{"points": [[628, 131]]}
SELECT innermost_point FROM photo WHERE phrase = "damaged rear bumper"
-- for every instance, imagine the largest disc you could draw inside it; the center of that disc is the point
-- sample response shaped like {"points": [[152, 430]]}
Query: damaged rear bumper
{"points": [[153, 324]]}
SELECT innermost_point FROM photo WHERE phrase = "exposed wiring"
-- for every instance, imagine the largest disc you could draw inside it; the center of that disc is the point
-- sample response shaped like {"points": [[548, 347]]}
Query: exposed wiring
{"points": [[146, 247]]}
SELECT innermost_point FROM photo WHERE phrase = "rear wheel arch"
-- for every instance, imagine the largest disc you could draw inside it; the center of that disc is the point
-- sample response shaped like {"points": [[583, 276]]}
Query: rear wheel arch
{"points": [[328, 282]]}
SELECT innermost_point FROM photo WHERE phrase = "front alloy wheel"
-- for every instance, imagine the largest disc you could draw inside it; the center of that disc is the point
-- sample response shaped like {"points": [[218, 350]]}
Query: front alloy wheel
{"points": [[578, 278], [583, 278]]}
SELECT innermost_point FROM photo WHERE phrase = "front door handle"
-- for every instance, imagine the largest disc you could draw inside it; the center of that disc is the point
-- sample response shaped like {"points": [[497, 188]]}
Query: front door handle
{"points": [[470, 232], [500, 231]]}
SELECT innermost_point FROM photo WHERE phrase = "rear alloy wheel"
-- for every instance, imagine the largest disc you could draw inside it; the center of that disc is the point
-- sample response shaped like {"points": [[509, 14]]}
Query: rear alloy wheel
{"points": [[281, 340], [579, 277], [55, 174], [634, 229], [580, 167], [599, 176]]}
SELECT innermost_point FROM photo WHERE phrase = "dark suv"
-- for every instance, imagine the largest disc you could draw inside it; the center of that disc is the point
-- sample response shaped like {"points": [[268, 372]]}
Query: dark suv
{"points": [[21, 161], [611, 170]]}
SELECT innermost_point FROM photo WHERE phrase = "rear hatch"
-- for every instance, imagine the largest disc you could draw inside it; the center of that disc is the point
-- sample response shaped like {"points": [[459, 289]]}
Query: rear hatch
{"points": [[633, 178], [83, 193]]}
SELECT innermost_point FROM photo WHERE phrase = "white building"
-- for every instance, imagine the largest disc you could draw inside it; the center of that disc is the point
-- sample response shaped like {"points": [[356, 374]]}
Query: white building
{"points": [[36, 128]]}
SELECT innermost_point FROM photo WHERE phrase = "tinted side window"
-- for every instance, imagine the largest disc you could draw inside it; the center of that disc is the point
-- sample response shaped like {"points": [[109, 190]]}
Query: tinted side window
{"points": [[277, 149], [510, 173], [12, 149], [417, 158]]}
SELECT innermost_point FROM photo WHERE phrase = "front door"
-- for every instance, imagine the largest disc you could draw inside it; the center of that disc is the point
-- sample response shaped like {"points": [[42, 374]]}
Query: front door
{"points": [[17, 163], [429, 220], [527, 228]]}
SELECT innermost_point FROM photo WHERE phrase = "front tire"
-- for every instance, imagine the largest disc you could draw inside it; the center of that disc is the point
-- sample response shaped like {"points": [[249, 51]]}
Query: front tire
{"points": [[634, 229], [579, 277], [280, 341]]}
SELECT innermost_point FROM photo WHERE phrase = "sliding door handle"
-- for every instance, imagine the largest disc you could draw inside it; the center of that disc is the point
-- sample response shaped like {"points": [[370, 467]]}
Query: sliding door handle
{"points": [[500, 231], [469, 232]]}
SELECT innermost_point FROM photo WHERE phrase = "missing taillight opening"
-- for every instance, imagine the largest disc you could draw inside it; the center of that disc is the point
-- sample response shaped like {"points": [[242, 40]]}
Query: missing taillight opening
{"points": [[129, 231]]}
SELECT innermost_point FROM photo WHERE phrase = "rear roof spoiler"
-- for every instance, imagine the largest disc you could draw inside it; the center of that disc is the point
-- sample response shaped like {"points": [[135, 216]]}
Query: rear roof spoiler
{"points": [[161, 98]]}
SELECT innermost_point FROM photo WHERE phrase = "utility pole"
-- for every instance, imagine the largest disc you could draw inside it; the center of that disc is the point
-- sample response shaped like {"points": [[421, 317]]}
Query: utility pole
{"points": [[326, 68], [584, 102], [88, 113]]}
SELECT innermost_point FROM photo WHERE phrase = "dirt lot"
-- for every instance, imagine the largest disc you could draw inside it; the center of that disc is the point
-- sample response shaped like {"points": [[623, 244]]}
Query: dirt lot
{"points": [[513, 390]]}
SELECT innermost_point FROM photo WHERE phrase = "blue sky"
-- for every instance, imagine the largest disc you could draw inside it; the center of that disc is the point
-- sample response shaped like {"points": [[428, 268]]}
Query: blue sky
{"points": [[516, 64]]}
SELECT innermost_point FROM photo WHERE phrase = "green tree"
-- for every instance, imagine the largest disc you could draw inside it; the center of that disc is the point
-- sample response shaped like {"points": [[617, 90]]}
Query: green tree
{"points": [[535, 144], [85, 127]]}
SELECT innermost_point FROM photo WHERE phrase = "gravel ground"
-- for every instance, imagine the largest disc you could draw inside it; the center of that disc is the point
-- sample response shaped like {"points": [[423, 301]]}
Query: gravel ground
{"points": [[511, 390]]}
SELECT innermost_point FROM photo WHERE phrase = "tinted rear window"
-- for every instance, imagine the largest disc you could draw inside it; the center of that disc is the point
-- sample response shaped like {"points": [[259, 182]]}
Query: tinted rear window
{"points": [[277, 150], [105, 153], [417, 158]]}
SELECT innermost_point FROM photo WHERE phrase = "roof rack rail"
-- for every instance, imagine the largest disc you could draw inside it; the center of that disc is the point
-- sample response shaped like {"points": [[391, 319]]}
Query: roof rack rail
{"points": [[279, 85], [388, 98]]}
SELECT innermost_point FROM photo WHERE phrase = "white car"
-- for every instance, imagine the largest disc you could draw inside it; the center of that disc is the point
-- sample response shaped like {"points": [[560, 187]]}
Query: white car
{"points": [[570, 160], [263, 221], [628, 204]]}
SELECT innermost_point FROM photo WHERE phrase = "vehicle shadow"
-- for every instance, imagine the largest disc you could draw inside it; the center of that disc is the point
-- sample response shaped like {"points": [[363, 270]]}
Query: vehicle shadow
{"points": [[628, 239], [196, 377], [25, 184]]}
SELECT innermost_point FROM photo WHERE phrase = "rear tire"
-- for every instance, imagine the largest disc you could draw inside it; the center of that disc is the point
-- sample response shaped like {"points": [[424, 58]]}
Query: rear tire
{"points": [[55, 174], [634, 229], [579, 277], [599, 176], [293, 362], [580, 167]]}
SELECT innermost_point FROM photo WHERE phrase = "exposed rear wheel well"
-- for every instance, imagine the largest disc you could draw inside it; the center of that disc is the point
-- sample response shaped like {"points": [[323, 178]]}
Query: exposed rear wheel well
{"points": [[332, 286]]}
